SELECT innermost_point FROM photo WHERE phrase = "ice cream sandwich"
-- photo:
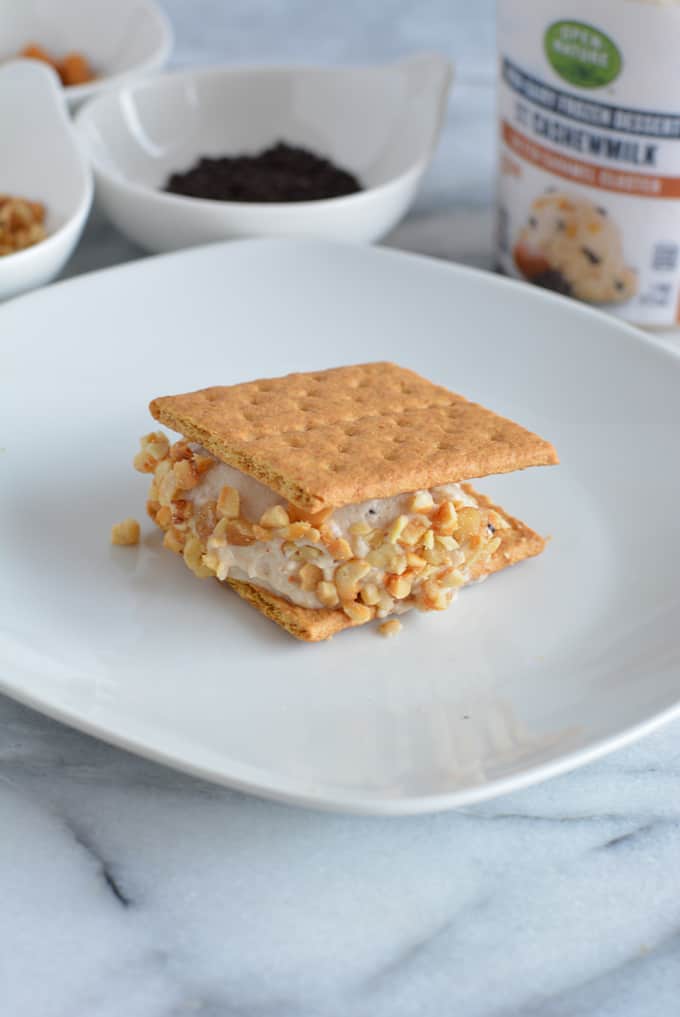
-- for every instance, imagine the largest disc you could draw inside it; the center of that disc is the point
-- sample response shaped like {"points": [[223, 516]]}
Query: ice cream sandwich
{"points": [[329, 498]]}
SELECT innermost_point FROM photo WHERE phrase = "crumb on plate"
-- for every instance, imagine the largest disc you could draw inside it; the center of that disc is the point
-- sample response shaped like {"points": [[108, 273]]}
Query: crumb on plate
{"points": [[125, 533]]}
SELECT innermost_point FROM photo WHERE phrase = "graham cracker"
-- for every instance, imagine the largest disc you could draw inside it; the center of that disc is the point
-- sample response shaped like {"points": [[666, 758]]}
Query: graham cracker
{"points": [[313, 625], [331, 438]]}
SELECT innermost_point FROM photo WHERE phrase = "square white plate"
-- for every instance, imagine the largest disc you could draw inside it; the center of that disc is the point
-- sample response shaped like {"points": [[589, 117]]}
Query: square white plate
{"points": [[542, 668]]}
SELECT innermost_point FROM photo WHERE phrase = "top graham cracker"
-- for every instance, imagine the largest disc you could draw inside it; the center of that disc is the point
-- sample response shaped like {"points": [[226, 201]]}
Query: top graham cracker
{"points": [[337, 437]]}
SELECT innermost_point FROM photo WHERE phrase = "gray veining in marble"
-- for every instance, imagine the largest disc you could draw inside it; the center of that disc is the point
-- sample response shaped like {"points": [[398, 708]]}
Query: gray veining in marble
{"points": [[127, 890]]}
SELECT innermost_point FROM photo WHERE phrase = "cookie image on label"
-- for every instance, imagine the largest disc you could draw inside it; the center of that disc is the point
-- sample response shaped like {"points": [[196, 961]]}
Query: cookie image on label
{"points": [[572, 246]]}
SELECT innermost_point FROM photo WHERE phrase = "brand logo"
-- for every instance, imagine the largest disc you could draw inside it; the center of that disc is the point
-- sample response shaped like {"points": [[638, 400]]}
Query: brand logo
{"points": [[581, 54]]}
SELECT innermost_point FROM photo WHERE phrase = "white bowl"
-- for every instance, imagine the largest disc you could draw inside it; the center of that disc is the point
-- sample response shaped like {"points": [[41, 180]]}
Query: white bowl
{"points": [[122, 39], [381, 123], [42, 161]]}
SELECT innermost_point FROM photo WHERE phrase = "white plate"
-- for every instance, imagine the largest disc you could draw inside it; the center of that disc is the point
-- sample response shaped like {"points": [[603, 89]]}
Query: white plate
{"points": [[542, 668]]}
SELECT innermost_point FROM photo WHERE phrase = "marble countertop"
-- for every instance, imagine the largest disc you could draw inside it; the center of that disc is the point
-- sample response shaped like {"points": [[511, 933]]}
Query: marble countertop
{"points": [[128, 890]]}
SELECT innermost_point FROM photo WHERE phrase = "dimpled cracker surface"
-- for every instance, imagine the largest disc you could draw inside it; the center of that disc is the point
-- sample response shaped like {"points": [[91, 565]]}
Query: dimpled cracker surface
{"points": [[313, 625], [331, 438]]}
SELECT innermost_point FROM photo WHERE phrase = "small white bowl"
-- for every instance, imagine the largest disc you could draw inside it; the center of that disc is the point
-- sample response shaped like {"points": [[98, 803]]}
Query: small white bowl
{"points": [[41, 160], [122, 39], [381, 123]]}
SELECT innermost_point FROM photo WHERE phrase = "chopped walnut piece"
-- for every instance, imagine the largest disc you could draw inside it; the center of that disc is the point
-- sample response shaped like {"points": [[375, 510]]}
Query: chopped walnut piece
{"points": [[125, 533], [390, 628]]}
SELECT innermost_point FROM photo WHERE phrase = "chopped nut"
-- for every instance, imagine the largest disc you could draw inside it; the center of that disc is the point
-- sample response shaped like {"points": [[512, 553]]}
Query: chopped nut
{"points": [[390, 628], [395, 529], [398, 587], [339, 549], [445, 519], [375, 539], [434, 598], [274, 517], [153, 448], [193, 557], [451, 579], [308, 553], [303, 531], [436, 556], [370, 594], [220, 530], [448, 543], [385, 604], [212, 561], [421, 502], [186, 475], [359, 613], [164, 516], [428, 540], [204, 463], [228, 503], [310, 576], [360, 528], [152, 507], [239, 532], [415, 561], [173, 539], [348, 576], [413, 532], [469, 522], [167, 489], [327, 594], [262, 533], [125, 533], [315, 519], [180, 450]]}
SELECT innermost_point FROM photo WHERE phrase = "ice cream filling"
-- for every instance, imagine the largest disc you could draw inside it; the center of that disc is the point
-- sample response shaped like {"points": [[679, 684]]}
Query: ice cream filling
{"points": [[386, 540]]}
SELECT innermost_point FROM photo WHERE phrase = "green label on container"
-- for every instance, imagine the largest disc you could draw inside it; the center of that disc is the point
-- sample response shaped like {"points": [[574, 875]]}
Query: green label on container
{"points": [[581, 54]]}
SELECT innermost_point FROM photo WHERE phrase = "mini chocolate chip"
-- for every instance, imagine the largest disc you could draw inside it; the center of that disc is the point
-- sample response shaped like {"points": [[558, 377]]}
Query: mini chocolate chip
{"points": [[561, 224], [593, 258], [618, 284], [491, 528], [602, 211], [533, 222]]}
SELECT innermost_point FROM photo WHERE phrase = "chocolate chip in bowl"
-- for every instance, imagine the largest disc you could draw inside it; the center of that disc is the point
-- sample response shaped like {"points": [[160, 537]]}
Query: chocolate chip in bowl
{"points": [[325, 152], [280, 173]]}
